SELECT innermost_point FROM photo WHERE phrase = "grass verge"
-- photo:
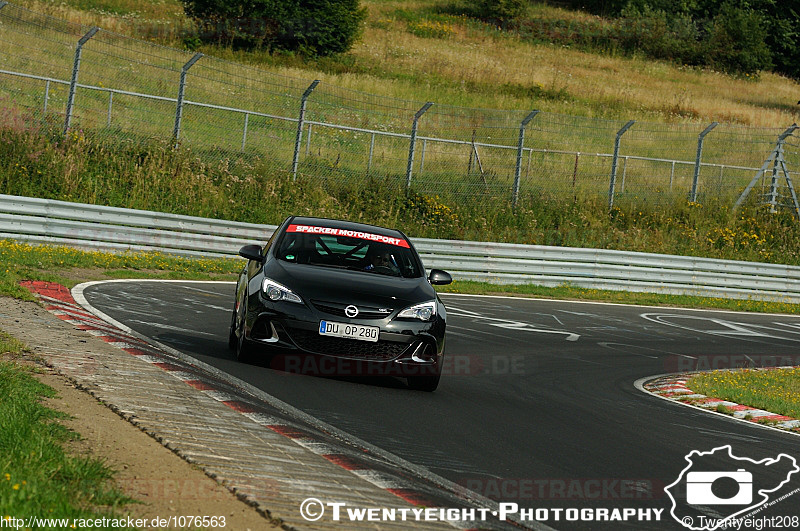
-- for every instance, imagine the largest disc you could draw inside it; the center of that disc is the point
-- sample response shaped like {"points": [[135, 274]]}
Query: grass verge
{"points": [[37, 476], [567, 292], [70, 266], [774, 390]]}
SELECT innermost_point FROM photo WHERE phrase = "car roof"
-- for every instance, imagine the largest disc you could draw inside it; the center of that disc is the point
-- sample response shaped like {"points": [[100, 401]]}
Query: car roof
{"points": [[347, 225]]}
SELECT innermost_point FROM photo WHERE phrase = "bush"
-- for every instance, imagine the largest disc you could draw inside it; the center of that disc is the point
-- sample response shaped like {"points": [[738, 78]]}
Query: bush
{"points": [[736, 41], [324, 27], [659, 35], [734, 36], [313, 27], [501, 10]]}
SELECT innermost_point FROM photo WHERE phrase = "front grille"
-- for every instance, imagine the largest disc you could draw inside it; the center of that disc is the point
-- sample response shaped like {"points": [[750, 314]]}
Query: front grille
{"points": [[312, 341], [364, 312]]}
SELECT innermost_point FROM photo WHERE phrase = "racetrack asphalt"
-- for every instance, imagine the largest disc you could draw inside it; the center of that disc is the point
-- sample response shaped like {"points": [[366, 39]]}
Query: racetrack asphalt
{"points": [[537, 405]]}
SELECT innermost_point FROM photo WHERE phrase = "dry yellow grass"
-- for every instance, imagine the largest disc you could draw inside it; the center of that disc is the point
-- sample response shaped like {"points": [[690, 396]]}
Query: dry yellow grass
{"points": [[465, 69], [654, 89]]}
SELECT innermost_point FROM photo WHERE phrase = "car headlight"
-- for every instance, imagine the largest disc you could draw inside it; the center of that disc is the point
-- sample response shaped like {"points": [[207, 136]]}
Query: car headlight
{"points": [[424, 312], [276, 292]]}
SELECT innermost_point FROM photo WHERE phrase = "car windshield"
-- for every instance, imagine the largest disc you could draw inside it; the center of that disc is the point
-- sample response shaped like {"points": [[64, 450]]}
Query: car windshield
{"points": [[353, 253]]}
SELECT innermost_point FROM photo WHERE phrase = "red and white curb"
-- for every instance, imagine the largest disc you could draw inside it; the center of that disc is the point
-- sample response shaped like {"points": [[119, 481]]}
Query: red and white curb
{"points": [[673, 387], [58, 300]]}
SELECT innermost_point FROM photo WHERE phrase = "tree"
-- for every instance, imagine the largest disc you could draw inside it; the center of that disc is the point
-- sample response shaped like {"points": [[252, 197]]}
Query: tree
{"points": [[736, 40], [502, 10], [314, 27]]}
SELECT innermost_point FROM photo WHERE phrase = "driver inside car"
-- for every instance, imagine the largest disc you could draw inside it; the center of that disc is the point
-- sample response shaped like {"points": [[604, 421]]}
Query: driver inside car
{"points": [[382, 262]]}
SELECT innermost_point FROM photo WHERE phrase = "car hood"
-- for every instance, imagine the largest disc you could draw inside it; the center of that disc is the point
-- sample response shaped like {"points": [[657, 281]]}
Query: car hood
{"points": [[351, 287]]}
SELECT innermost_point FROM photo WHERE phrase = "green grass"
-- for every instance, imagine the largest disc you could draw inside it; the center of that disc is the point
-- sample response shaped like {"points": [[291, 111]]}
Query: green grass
{"points": [[70, 266], [9, 345], [774, 390], [37, 476], [416, 50], [408, 51], [725, 410], [566, 292], [148, 175]]}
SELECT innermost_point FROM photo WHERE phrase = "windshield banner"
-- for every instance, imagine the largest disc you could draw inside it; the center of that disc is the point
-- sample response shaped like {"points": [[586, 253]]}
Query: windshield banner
{"points": [[311, 229]]}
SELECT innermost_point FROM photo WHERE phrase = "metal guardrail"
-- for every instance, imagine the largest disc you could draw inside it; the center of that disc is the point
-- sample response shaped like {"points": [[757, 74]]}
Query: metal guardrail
{"points": [[121, 229], [46, 221]]}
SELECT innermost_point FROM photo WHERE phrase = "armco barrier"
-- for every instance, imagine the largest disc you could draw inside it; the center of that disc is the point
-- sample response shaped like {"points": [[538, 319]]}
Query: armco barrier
{"points": [[119, 229]]}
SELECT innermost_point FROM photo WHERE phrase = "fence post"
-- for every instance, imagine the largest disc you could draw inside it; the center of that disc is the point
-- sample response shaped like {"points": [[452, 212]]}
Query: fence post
{"points": [[575, 173], [299, 138], [422, 158], [614, 162], [700, 139], [74, 82], [371, 150], [520, 147], [244, 130], [624, 173], [110, 104], [176, 133], [773, 185], [773, 156], [46, 95], [413, 142], [671, 175]]}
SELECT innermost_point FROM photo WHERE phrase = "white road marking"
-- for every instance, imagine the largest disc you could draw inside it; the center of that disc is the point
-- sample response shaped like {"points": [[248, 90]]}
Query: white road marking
{"points": [[619, 304], [170, 327], [729, 329], [612, 345], [790, 325], [216, 294], [509, 324], [450, 332]]}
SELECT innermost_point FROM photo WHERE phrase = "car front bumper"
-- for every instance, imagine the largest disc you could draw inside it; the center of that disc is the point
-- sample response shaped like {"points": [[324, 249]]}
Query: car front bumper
{"points": [[404, 347]]}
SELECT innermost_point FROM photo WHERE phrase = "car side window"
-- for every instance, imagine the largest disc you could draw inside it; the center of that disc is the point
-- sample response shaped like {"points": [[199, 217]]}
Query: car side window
{"points": [[267, 246]]}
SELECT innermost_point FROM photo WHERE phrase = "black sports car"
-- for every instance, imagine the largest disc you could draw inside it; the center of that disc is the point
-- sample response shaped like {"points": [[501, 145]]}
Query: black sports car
{"points": [[355, 295]]}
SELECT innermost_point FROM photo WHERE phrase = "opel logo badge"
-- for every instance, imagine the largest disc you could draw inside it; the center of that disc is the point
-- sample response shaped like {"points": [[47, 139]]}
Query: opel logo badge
{"points": [[351, 311]]}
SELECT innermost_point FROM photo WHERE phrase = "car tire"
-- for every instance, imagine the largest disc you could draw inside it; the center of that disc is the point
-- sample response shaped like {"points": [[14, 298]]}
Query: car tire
{"points": [[427, 383], [233, 339], [244, 349]]}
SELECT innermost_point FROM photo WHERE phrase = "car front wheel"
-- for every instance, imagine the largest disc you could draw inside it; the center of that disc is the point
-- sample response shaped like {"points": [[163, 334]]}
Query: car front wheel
{"points": [[244, 350], [233, 340]]}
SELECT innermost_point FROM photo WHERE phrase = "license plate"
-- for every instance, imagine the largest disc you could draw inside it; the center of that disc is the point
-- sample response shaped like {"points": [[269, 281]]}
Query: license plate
{"points": [[349, 331]]}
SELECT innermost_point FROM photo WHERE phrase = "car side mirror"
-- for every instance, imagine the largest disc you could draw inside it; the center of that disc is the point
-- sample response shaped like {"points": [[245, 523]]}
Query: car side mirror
{"points": [[251, 252], [439, 277]]}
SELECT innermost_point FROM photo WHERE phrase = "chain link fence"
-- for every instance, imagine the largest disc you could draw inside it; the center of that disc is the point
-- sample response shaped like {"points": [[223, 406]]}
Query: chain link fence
{"points": [[123, 89]]}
